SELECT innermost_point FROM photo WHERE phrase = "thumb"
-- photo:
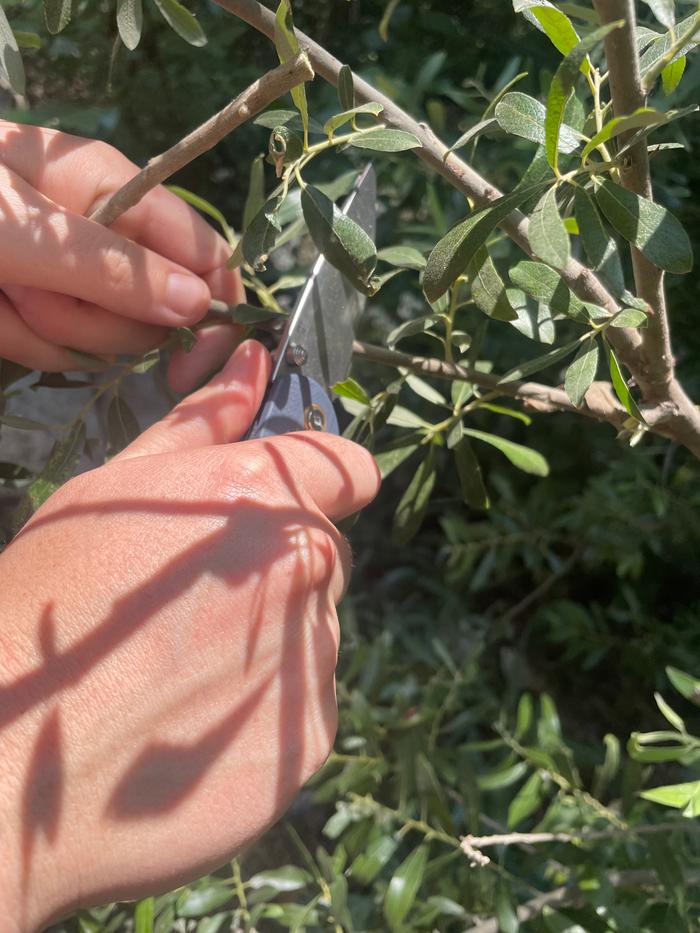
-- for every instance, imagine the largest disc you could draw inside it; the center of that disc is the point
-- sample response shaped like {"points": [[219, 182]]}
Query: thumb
{"points": [[219, 413]]}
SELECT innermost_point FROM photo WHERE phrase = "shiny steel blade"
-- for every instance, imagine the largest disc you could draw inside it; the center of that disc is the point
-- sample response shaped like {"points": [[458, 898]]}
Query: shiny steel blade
{"points": [[326, 312]]}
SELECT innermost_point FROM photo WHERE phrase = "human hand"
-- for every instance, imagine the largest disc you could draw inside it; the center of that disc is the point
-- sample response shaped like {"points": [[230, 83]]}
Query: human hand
{"points": [[66, 282], [169, 640]]}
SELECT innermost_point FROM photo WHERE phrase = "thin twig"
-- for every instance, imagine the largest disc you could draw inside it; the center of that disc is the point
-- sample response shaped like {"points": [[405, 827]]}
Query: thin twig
{"points": [[600, 403], [255, 98], [509, 839], [674, 415]]}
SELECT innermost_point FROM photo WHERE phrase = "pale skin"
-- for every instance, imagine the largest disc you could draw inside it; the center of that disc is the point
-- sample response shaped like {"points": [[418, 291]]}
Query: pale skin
{"points": [[168, 633]]}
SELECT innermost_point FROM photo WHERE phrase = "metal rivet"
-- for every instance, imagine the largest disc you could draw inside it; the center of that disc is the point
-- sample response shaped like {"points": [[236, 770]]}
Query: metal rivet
{"points": [[295, 355], [314, 418]]}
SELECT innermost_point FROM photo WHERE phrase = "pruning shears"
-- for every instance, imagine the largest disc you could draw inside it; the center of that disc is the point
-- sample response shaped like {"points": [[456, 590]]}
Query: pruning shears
{"points": [[315, 349]]}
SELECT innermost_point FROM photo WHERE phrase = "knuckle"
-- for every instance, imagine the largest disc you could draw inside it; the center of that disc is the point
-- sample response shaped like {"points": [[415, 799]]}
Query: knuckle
{"points": [[120, 265]]}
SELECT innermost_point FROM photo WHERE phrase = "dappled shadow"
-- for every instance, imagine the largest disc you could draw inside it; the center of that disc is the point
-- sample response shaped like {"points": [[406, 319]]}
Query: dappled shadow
{"points": [[285, 647]]}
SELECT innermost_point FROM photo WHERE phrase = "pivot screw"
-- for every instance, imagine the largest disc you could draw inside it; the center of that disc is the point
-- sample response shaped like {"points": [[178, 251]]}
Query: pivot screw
{"points": [[295, 355], [314, 418]]}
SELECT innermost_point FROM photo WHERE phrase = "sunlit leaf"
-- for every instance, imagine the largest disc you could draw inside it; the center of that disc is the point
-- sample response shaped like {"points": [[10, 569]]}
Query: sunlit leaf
{"points": [[687, 686], [672, 74], [522, 115], [405, 257], [663, 10], [286, 878], [203, 900], [411, 509], [470, 478], [629, 317], [57, 14], [350, 388], [548, 236], [287, 46], [370, 862], [339, 119], [346, 90], [643, 116], [540, 362], [389, 460], [488, 290], [553, 22], [11, 66], [130, 22], [619, 384], [403, 887], [385, 140], [206, 207], [144, 916], [524, 458], [672, 795], [547, 286], [182, 21], [600, 247]]}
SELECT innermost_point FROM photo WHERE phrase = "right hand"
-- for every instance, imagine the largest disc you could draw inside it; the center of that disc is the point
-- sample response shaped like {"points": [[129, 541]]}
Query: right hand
{"points": [[169, 670]]}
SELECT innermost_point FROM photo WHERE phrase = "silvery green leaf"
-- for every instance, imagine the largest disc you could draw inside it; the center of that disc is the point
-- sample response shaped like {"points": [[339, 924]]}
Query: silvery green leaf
{"points": [[581, 372], [11, 66], [522, 115], [548, 236]]}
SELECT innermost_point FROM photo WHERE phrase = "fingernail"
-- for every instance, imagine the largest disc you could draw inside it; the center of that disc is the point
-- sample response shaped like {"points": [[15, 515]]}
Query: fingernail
{"points": [[186, 296]]}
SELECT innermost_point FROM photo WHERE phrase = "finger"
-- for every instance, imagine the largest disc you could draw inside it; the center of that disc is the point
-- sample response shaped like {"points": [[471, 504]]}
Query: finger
{"points": [[219, 413], [80, 174], [46, 246], [69, 322], [339, 476], [19, 343], [214, 345]]}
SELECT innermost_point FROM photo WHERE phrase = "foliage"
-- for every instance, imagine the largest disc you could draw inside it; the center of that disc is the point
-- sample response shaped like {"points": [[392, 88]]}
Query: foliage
{"points": [[492, 672]]}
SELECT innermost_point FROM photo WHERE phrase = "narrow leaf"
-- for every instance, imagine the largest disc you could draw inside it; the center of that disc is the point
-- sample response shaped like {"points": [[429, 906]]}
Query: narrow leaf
{"points": [[409, 517], [403, 887], [416, 326], [488, 290], [389, 460], [20, 423], [370, 862], [144, 916], [122, 426], [349, 388], [524, 116], [182, 21], [562, 86], [470, 479], [255, 198], [260, 237], [664, 11], [206, 207], [130, 22], [524, 458], [481, 127], [547, 287], [385, 140], [649, 226], [11, 66], [581, 372], [404, 257], [540, 362], [687, 686], [672, 74], [553, 22], [527, 801], [57, 14], [346, 90], [672, 795], [620, 386], [339, 119], [629, 317], [548, 236], [287, 47], [643, 116], [342, 241], [600, 248]]}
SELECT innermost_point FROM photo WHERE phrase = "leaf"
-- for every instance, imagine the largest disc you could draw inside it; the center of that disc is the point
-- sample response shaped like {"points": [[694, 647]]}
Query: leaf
{"points": [[524, 458], [672, 74], [669, 870], [255, 198], [27, 40], [22, 424], [122, 426], [130, 22], [553, 22], [562, 86], [64, 457], [540, 362], [11, 66], [664, 11], [527, 801], [206, 208], [581, 372], [182, 21], [425, 390], [481, 127], [346, 90], [144, 916], [371, 860], [287, 47], [522, 115], [488, 290], [650, 227], [416, 326], [405, 257], [548, 236], [672, 795], [352, 389], [452, 254], [383, 28], [661, 45], [203, 900], [611, 765], [643, 116], [533, 322], [342, 241], [286, 878], [259, 239], [502, 776], [686, 685], [620, 386], [411, 509], [339, 119], [668, 713], [470, 479], [547, 286], [57, 14], [600, 248], [505, 910], [385, 140], [389, 460], [403, 887], [629, 317]]}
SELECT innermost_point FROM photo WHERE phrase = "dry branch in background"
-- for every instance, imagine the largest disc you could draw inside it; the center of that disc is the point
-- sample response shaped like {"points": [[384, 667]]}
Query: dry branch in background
{"points": [[255, 98], [666, 407]]}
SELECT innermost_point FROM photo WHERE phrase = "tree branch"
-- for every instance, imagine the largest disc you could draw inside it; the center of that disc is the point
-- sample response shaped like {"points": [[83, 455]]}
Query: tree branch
{"points": [[673, 414], [509, 839], [255, 98], [600, 403]]}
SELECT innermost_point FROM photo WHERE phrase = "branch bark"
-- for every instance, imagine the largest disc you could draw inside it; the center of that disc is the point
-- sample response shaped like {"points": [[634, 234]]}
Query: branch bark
{"points": [[509, 839], [668, 411], [255, 98]]}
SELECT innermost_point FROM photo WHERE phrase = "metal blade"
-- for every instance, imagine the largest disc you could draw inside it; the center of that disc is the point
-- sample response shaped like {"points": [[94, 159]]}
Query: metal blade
{"points": [[326, 312]]}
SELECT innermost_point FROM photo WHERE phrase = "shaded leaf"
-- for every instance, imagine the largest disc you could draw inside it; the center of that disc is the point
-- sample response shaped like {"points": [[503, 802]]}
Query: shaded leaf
{"points": [[63, 459], [11, 65], [255, 197], [502, 776], [663, 10], [522, 115], [416, 326], [581, 372], [342, 241], [182, 21], [524, 458], [252, 314], [287, 47], [22, 424], [27, 40], [470, 478], [206, 207], [403, 887], [130, 22], [346, 90], [643, 116], [505, 911], [548, 236], [370, 862], [411, 509], [57, 14], [203, 900], [620, 386], [481, 127], [661, 45], [425, 390], [385, 140], [286, 878], [122, 426], [629, 317], [405, 257], [600, 247], [389, 460], [547, 286], [649, 226], [540, 362], [562, 85], [533, 320], [339, 119], [488, 291], [669, 870], [259, 239]]}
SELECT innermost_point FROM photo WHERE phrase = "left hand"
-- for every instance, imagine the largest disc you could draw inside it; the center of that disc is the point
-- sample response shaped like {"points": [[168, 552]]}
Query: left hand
{"points": [[67, 282]]}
